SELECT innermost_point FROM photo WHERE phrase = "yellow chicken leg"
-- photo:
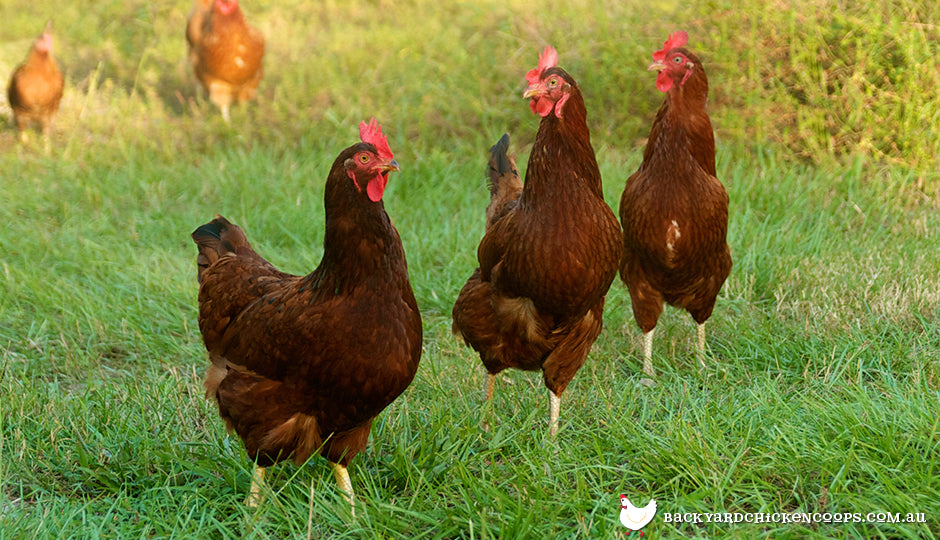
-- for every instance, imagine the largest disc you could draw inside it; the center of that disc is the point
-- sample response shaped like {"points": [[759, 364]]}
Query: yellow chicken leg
{"points": [[648, 353], [554, 408], [345, 485], [700, 345], [488, 395], [257, 485], [221, 94]]}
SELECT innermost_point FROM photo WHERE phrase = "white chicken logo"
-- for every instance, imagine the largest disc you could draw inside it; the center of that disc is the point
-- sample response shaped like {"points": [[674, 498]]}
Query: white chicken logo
{"points": [[635, 518]]}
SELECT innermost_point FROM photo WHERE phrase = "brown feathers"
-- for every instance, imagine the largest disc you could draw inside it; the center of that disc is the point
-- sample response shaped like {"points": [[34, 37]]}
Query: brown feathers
{"points": [[551, 246], [504, 179], [225, 51], [302, 364], [674, 211], [36, 87]]}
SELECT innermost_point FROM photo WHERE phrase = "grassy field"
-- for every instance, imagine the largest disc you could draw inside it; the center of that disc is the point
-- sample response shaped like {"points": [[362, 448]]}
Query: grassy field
{"points": [[822, 391]]}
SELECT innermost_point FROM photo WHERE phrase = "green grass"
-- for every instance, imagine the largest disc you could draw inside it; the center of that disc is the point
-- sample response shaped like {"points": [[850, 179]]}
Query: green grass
{"points": [[822, 389]]}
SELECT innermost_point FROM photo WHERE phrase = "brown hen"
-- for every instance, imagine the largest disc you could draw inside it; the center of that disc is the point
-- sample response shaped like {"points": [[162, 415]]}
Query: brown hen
{"points": [[303, 364], [550, 251], [674, 211], [36, 87], [226, 53]]}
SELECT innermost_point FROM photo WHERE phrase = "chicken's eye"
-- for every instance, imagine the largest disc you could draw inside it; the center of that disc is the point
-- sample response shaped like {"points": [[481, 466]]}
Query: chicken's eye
{"points": [[363, 158], [553, 82], [677, 59]]}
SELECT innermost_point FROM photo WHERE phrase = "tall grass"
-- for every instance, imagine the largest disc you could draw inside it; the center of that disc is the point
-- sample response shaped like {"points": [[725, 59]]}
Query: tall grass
{"points": [[821, 393]]}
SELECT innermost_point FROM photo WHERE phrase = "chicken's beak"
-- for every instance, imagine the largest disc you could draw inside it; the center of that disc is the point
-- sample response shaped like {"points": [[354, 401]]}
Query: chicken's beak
{"points": [[656, 66], [390, 166], [532, 91]]}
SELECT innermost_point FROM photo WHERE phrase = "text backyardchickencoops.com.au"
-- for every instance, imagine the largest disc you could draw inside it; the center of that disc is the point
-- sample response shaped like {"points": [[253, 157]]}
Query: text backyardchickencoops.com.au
{"points": [[795, 517]]}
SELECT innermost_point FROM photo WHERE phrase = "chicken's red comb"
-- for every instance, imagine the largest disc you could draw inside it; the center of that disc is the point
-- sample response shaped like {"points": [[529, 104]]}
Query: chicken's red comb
{"points": [[677, 39], [547, 59], [372, 133]]}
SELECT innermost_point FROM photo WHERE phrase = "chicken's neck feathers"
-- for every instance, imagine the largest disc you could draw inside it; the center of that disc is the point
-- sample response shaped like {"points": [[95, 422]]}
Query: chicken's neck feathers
{"points": [[562, 161], [360, 244], [682, 137], [41, 60], [226, 28]]}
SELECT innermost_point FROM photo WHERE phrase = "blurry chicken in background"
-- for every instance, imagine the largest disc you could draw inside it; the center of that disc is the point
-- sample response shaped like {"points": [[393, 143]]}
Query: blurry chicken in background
{"points": [[36, 89], [225, 51], [674, 210]]}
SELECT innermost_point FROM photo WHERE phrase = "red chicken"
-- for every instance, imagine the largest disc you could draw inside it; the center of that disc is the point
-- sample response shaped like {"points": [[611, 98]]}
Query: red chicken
{"points": [[226, 53], [303, 364], [36, 88], [550, 251], [674, 211]]}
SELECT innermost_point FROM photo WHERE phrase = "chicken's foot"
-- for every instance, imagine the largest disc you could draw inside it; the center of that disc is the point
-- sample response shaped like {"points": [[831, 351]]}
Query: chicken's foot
{"points": [[554, 408], [700, 345], [648, 353], [257, 485], [487, 396], [345, 485]]}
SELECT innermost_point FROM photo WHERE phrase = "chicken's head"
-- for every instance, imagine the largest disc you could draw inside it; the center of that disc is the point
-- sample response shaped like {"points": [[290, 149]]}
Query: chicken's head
{"points": [[549, 86], [226, 7], [673, 62], [372, 163], [44, 43]]}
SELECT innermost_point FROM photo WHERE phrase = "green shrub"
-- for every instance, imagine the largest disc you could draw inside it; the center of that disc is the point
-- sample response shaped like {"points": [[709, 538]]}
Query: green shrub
{"points": [[827, 78]]}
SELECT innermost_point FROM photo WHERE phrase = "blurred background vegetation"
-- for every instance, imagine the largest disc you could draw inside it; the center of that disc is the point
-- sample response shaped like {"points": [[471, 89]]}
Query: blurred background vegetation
{"points": [[818, 79]]}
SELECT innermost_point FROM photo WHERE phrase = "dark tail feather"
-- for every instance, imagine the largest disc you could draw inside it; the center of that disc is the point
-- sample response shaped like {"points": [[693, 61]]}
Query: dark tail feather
{"points": [[500, 163], [215, 239], [505, 182]]}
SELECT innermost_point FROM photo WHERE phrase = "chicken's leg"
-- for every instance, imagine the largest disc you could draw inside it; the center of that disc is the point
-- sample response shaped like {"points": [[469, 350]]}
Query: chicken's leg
{"points": [[257, 484], [488, 395], [221, 94], [648, 353], [554, 408], [345, 485], [47, 136], [700, 345]]}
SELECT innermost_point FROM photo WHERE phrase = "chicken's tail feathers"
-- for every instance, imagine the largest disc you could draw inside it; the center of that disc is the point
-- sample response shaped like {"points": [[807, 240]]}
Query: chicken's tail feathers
{"points": [[505, 182], [502, 170], [500, 162], [215, 239]]}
